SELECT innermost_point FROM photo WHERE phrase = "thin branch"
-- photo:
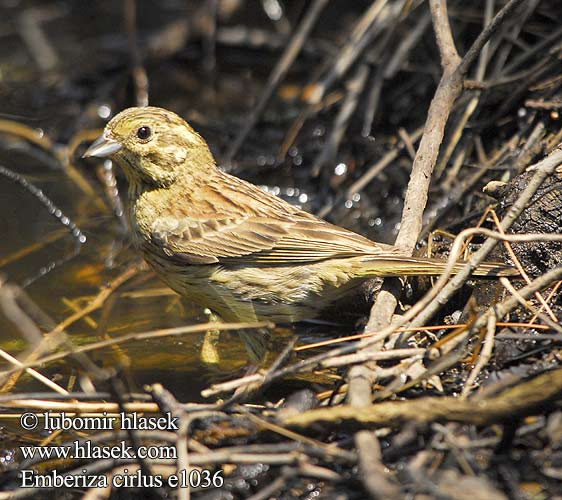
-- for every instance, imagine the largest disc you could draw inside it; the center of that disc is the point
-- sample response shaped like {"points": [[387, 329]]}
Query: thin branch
{"points": [[278, 73]]}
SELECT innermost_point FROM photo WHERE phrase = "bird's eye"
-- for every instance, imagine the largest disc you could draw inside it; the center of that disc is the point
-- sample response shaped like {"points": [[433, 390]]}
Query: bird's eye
{"points": [[143, 133]]}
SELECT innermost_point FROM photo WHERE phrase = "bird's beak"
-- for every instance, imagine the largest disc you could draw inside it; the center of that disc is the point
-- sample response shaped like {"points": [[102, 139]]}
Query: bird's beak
{"points": [[103, 146]]}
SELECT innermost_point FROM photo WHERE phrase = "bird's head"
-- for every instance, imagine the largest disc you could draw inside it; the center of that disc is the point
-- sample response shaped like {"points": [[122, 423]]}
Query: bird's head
{"points": [[153, 146]]}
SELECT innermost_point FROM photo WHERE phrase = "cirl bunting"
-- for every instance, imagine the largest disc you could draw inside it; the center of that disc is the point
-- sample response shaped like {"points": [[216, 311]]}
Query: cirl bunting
{"points": [[228, 245]]}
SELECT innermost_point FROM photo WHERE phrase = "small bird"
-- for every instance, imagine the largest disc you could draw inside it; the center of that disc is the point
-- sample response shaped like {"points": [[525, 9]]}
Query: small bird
{"points": [[227, 244]]}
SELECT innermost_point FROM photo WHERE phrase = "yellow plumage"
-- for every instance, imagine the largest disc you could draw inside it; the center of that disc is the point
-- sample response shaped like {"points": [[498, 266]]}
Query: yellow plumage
{"points": [[228, 245]]}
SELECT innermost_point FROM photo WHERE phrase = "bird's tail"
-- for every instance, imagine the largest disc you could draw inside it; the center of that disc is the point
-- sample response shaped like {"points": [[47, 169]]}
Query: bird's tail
{"points": [[425, 266]]}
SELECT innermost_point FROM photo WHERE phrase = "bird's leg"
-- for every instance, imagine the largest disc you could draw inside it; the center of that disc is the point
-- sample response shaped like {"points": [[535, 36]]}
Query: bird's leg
{"points": [[255, 342], [209, 352]]}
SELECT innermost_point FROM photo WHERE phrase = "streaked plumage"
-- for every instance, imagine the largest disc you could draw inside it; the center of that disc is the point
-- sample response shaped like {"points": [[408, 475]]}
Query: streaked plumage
{"points": [[227, 244]]}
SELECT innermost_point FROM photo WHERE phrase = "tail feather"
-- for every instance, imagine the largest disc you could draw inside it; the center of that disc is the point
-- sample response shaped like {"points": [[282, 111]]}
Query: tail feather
{"points": [[425, 266]]}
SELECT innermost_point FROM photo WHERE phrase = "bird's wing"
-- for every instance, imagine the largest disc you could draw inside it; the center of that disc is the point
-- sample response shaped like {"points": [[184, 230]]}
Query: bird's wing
{"points": [[255, 227], [285, 238]]}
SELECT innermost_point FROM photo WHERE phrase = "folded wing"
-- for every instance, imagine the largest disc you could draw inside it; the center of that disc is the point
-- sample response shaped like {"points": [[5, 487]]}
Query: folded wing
{"points": [[286, 239]]}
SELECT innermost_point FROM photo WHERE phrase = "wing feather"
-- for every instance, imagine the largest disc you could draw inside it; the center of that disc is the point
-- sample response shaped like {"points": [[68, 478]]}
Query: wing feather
{"points": [[265, 229], [261, 240]]}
